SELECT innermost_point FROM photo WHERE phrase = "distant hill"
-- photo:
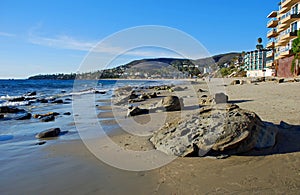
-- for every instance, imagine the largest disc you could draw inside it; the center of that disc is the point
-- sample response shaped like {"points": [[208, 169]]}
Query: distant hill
{"points": [[156, 67]]}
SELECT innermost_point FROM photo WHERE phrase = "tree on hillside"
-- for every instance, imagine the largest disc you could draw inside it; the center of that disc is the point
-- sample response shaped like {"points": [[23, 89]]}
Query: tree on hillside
{"points": [[296, 51]]}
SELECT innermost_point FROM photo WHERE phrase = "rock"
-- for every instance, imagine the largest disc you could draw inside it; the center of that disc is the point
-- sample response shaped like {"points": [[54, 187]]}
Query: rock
{"points": [[285, 125], [206, 100], [54, 132], [43, 101], [17, 99], [220, 98], [45, 115], [280, 80], [100, 92], [1, 116], [136, 100], [24, 117], [171, 103], [223, 129], [40, 143], [237, 82], [201, 90], [67, 113], [134, 111], [58, 102], [48, 118], [124, 99], [6, 109], [178, 88]]}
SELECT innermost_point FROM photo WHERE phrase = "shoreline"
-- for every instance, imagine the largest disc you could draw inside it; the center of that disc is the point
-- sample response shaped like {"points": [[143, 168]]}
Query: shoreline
{"points": [[68, 165]]}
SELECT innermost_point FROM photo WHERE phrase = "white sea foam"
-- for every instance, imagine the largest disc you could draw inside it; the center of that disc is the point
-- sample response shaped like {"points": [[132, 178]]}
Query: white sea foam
{"points": [[23, 103]]}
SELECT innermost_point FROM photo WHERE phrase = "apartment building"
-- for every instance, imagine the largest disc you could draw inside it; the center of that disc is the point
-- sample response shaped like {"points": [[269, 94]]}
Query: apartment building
{"points": [[284, 25], [255, 64]]}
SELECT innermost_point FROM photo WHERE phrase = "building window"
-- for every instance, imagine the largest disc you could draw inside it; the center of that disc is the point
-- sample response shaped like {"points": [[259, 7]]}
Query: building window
{"points": [[294, 27], [295, 9]]}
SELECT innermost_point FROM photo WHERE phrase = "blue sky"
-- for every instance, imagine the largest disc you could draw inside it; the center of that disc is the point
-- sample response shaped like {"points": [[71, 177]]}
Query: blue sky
{"points": [[52, 36]]}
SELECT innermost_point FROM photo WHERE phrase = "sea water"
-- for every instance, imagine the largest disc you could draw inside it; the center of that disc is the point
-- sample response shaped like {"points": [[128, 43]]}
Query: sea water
{"points": [[19, 135]]}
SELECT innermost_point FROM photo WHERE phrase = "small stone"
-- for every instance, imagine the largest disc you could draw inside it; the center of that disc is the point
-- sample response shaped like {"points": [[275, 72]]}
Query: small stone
{"points": [[58, 102], [48, 118], [40, 143], [24, 117], [54, 132]]}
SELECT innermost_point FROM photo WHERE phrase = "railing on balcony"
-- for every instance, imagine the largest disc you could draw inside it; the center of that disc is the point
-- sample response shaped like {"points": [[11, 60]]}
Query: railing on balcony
{"points": [[271, 21], [273, 30]]}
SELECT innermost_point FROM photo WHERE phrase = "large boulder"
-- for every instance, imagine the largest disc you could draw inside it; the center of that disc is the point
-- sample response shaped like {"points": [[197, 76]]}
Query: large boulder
{"points": [[220, 129], [171, 103], [220, 98], [54, 132]]}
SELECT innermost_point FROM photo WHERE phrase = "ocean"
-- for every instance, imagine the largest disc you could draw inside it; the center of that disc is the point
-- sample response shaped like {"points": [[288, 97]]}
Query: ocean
{"points": [[39, 97]]}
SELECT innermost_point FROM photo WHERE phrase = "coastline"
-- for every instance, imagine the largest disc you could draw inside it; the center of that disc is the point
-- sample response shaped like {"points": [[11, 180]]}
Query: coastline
{"points": [[68, 166]]}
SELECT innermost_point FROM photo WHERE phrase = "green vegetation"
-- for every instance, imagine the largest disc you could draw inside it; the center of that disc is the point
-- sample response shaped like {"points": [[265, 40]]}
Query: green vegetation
{"points": [[296, 52], [157, 68]]}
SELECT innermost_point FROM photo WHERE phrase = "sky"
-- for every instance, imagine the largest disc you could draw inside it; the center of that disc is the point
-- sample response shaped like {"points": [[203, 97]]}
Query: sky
{"points": [[55, 36]]}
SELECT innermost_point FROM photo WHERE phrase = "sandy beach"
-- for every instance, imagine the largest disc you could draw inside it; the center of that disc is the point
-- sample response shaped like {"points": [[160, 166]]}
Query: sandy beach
{"points": [[69, 167]]}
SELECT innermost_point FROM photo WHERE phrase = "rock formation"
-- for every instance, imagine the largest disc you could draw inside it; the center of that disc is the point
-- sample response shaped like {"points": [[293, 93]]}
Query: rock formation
{"points": [[219, 129]]}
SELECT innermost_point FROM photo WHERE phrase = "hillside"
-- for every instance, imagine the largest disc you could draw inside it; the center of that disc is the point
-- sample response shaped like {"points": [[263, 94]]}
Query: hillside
{"points": [[154, 68]]}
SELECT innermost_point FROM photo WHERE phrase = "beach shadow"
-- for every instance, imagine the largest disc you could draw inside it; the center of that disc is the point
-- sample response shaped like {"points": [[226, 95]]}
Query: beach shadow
{"points": [[238, 101], [287, 141]]}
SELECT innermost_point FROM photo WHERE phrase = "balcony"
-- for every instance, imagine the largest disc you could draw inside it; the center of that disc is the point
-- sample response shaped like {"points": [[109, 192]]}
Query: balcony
{"points": [[272, 23], [288, 3], [271, 44], [288, 36], [270, 54], [273, 14], [272, 33], [290, 18], [285, 53]]}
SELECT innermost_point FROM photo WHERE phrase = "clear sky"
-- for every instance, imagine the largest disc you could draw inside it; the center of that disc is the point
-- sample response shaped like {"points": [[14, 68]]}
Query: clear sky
{"points": [[52, 36]]}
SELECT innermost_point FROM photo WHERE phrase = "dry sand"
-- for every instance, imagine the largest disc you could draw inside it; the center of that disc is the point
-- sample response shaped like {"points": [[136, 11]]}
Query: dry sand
{"points": [[70, 168]]}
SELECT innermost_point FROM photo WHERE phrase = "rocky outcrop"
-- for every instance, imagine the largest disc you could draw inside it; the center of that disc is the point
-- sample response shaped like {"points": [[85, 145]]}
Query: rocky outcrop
{"points": [[220, 129], [6, 109], [54, 132], [170, 103], [134, 111], [45, 115], [218, 98]]}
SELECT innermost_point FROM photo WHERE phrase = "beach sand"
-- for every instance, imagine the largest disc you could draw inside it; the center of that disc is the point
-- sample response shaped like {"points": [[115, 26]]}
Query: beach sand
{"points": [[68, 167]]}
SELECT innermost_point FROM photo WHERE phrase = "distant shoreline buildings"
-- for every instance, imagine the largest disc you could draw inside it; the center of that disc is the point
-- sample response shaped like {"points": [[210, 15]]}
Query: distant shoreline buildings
{"points": [[276, 59]]}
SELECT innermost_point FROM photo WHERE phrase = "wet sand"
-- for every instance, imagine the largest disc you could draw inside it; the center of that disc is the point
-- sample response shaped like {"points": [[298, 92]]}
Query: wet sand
{"points": [[69, 167]]}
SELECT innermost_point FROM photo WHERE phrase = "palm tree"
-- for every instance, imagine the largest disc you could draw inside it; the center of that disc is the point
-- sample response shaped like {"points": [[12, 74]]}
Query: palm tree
{"points": [[259, 46]]}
